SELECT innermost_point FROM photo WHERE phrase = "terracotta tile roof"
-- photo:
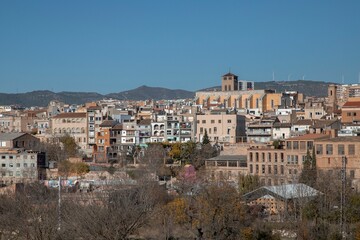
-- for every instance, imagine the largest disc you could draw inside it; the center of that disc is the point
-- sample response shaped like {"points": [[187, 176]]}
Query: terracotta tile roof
{"points": [[311, 136], [351, 104], [71, 115]]}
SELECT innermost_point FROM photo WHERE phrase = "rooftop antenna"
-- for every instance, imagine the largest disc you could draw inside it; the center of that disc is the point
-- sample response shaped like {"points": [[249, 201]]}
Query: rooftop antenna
{"points": [[229, 69], [303, 77], [273, 76]]}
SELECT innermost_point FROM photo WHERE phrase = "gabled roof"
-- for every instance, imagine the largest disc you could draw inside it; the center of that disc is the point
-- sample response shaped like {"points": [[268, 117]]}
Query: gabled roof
{"points": [[10, 136], [283, 192]]}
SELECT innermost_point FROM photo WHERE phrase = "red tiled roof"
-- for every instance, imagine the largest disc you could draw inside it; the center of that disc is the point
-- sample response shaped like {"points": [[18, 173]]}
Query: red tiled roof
{"points": [[351, 104], [311, 136]]}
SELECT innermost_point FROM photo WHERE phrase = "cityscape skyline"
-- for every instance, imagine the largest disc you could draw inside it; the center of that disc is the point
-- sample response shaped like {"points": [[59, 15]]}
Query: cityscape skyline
{"points": [[117, 46]]}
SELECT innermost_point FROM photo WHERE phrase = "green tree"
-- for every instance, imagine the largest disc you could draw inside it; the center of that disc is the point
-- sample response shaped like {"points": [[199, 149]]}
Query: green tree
{"points": [[69, 145], [308, 174], [205, 139], [248, 183]]}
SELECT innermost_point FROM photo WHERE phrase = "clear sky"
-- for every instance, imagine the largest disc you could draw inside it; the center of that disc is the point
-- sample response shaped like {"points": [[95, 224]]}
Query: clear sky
{"points": [[111, 46]]}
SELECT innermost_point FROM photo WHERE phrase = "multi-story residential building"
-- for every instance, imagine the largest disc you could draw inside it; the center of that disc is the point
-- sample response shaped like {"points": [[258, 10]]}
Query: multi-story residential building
{"points": [[123, 140], [74, 124], [94, 118], [144, 128], [103, 143], [281, 131], [18, 165], [350, 112], [18, 140], [260, 131], [330, 153], [158, 131], [314, 110], [172, 128], [221, 127], [268, 163], [297, 149]]}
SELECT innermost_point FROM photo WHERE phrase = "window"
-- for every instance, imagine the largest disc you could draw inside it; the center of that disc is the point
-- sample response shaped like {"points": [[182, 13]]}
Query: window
{"points": [[282, 169], [3, 157], [329, 149], [251, 168], [302, 145], [3, 165], [209, 130], [10, 173], [251, 157], [319, 149], [229, 121], [212, 121], [275, 169], [269, 169], [11, 165], [275, 157], [263, 157], [17, 173], [11, 157], [282, 157], [219, 121], [32, 165], [352, 173], [269, 157], [25, 164], [341, 149], [17, 164], [263, 169], [215, 130], [288, 145], [257, 156], [351, 149], [201, 130], [296, 145], [257, 168], [203, 121]]}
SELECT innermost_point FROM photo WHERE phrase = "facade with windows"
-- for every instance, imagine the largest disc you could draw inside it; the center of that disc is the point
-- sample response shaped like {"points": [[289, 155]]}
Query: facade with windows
{"points": [[221, 127], [21, 166], [330, 153], [74, 124]]}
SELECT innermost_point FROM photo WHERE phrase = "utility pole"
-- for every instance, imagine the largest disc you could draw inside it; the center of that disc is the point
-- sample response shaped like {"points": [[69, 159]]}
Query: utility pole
{"points": [[343, 192], [59, 205]]}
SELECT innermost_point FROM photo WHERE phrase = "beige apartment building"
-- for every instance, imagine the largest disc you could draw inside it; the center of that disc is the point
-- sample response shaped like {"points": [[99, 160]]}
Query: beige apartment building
{"points": [[74, 124], [268, 163], [329, 154], [283, 165], [221, 127], [350, 112]]}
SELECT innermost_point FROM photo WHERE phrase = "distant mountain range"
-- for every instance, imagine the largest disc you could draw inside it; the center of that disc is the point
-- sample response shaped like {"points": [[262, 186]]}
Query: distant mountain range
{"points": [[42, 98]]}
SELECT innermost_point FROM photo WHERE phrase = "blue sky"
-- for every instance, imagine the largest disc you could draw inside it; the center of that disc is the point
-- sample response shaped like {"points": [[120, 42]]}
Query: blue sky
{"points": [[111, 46]]}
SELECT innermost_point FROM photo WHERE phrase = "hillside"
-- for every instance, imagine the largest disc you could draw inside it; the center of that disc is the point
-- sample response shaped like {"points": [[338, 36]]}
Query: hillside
{"points": [[42, 98], [309, 88]]}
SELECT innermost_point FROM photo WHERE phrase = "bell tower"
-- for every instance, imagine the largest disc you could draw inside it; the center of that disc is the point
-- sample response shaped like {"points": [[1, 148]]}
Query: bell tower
{"points": [[229, 82]]}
